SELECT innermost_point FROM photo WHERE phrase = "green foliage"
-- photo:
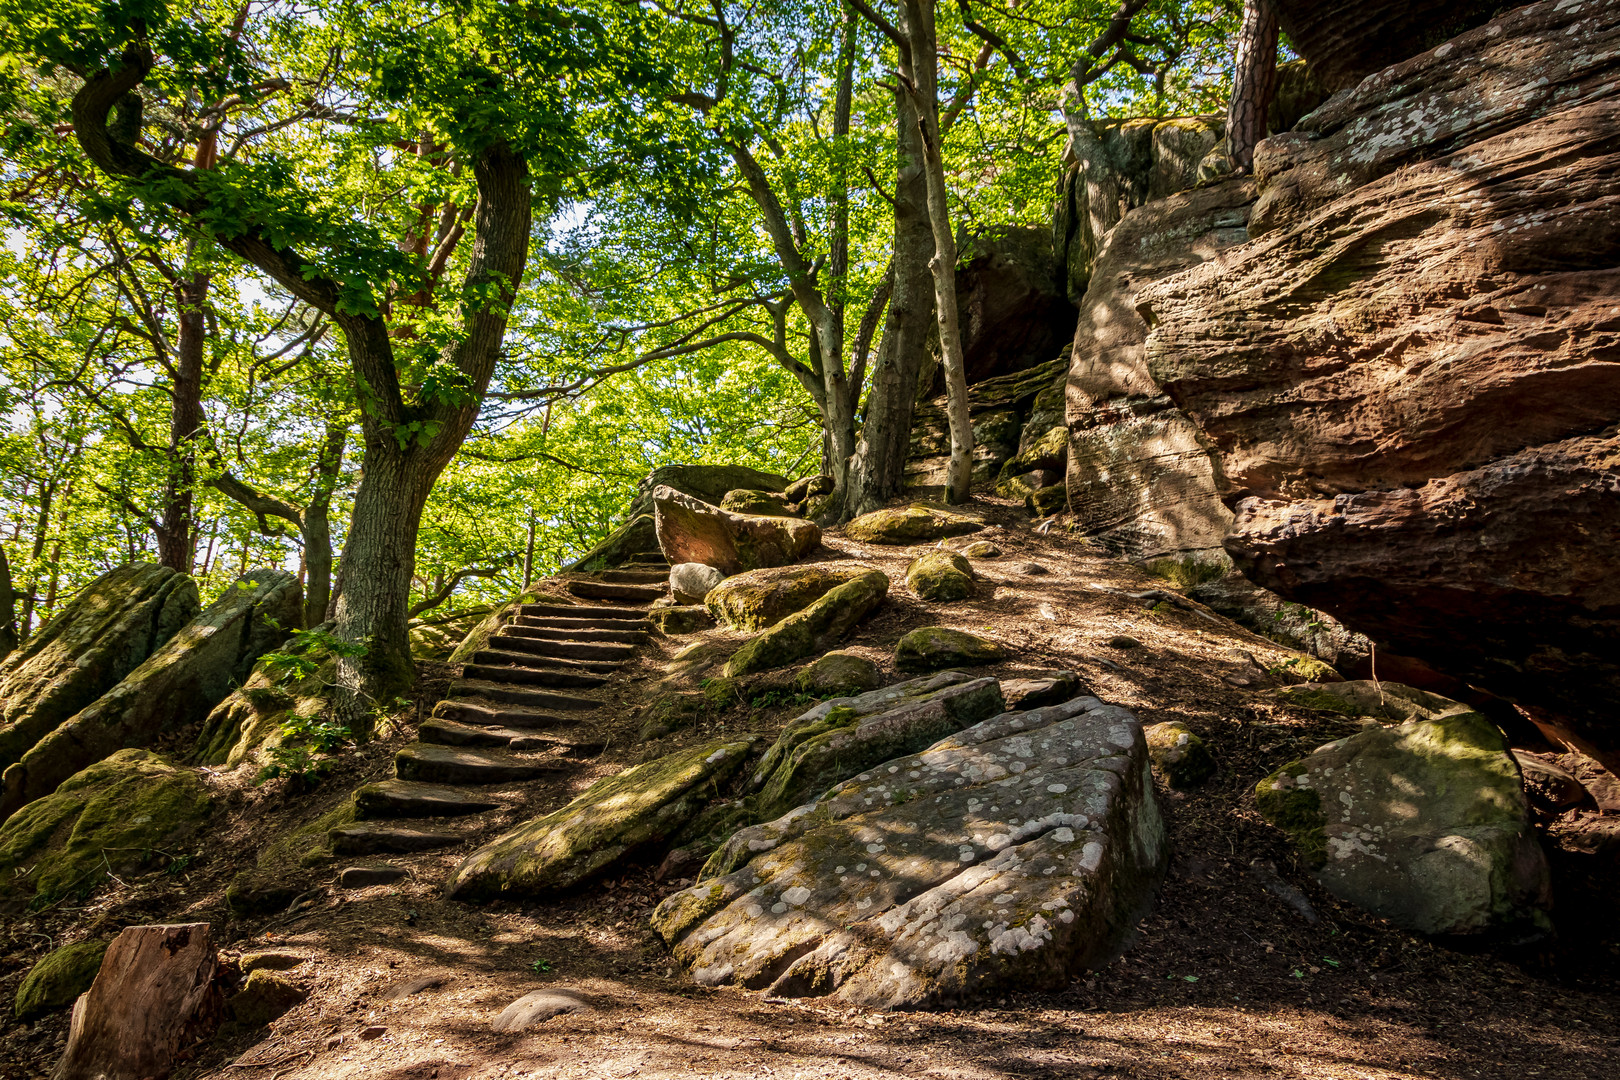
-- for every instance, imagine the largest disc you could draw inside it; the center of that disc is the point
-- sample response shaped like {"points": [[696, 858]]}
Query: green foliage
{"points": [[304, 653]]}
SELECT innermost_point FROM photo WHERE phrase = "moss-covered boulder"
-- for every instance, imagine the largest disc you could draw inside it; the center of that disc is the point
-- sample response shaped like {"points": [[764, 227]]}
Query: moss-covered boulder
{"points": [[1008, 856], [436, 635], [681, 619], [834, 741], [266, 996], [761, 598], [762, 503], [104, 633], [691, 530], [932, 648], [940, 575], [1048, 451], [1389, 702], [815, 629], [176, 686], [615, 818], [981, 549], [709, 483], [255, 716], [1181, 757], [1022, 486], [1425, 824], [1047, 500], [801, 491], [58, 979], [636, 536], [838, 674], [910, 525], [119, 815]]}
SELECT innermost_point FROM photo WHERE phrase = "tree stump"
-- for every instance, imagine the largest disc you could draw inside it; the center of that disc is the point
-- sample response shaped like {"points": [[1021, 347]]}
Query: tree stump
{"points": [[155, 996]]}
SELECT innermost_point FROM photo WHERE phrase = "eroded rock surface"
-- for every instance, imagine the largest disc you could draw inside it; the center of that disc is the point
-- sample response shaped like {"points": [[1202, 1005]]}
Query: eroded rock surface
{"points": [[1012, 854], [820, 626], [760, 598], [1425, 824], [940, 575]]}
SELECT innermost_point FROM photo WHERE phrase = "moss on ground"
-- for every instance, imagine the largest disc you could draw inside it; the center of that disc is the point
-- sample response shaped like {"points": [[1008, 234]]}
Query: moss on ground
{"points": [[58, 979]]}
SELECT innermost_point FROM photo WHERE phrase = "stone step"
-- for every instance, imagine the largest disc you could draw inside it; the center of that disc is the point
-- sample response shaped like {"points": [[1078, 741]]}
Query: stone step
{"points": [[632, 575], [538, 730], [537, 662], [512, 716], [548, 633], [583, 611], [509, 694], [459, 765], [410, 798], [604, 626], [389, 839], [442, 732], [606, 590], [565, 650], [527, 676]]}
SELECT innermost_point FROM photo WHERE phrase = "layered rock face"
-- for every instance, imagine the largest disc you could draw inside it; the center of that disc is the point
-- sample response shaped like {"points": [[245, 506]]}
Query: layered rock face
{"points": [[1347, 40], [1411, 375]]}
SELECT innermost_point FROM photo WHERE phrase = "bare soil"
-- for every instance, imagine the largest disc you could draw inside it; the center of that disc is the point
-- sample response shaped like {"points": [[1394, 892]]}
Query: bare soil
{"points": [[1228, 975]]}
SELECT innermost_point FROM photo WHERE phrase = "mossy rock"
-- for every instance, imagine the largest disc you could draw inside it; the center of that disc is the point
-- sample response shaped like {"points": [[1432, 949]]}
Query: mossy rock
{"points": [[1389, 702], [982, 549], [909, 525], [815, 629], [266, 996], [1047, 500], [57, 980], [838, 674], [634, 537], [272, 883], [760, 598], [933, 648], [940, 575], [681, 619], [1024, 485], [1424, 823], [119, 814], [1305, 668], [1049, 451], [803, 490], [251, 719], [615, 818], [761, 503], [1181, 757]]}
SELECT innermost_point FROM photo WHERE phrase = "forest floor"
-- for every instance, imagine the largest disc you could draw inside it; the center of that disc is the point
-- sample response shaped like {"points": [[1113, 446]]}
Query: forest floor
{"points": [[1223, 978]]}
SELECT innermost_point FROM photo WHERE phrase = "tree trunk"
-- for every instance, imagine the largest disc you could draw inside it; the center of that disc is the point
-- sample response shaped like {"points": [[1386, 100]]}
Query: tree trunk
{"points": [[8, 608], [923, 79], [42, 528], [1253, 81], [316, 527], [176, 534], [877, 471]]}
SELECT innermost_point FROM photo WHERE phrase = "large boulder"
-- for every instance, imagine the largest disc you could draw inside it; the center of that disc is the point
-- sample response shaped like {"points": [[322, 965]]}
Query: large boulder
{"points": [[636, 537], [103, 634], [1140, 476], [58, 979], [910, 525], [940, 575], [930, 648], [690, 582], [691, 530], [1409, 376], [116, 816], [1347, 40], [760, 598], [1008, 856], [817, 628], [710, 483], [838, 674], [615, 818], [177, 685], [1425, 824]]}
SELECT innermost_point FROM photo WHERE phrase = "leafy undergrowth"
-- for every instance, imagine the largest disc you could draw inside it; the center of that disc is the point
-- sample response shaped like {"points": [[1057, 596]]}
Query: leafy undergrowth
{"points": [[1243, 967]]}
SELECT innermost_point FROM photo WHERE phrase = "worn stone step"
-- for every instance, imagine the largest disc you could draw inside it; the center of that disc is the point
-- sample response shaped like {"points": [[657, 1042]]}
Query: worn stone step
{"points": [[540, 730], [411, 798], [436, 764], [444, 732], [510, 694], [565, 650], [534, 676], [607, 590], [583, 611], [513, 716], [606, 626], [364, 839], [549, 633], [632, 575], [536, 661]]}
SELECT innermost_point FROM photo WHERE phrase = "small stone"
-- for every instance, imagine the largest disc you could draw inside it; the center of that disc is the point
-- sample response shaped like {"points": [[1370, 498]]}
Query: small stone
{"points": [[1123, 641], [839, 674], [374, 1031], [269, 961], [982, 549], [536, 1008], [1030, 569], [909, 524], [1041, 688], [363, 877], [1549, 785], [932, 648], [265, 996], [691, 581], [940, 575], [414, 986], [1181, 757]]}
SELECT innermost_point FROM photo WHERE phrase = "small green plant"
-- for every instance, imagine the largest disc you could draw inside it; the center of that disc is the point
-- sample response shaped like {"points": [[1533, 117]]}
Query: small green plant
{"points": [[540, 966], [771, 698], [302, 738], [179, 864], [304, 653]]}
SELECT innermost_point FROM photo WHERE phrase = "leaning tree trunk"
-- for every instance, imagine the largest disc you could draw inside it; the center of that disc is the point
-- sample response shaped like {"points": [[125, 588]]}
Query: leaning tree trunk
{"points": [[1253, 81], [8, 608], [175, 534], [878, 470], [923, 79]]}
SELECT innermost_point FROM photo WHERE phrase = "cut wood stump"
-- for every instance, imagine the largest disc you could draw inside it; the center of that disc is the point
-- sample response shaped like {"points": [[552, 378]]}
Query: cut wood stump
{"points": [[154, 997]]}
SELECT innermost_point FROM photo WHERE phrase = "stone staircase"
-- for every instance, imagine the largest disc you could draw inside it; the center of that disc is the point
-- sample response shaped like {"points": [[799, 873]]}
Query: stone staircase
{"points": [[522, 705]]}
